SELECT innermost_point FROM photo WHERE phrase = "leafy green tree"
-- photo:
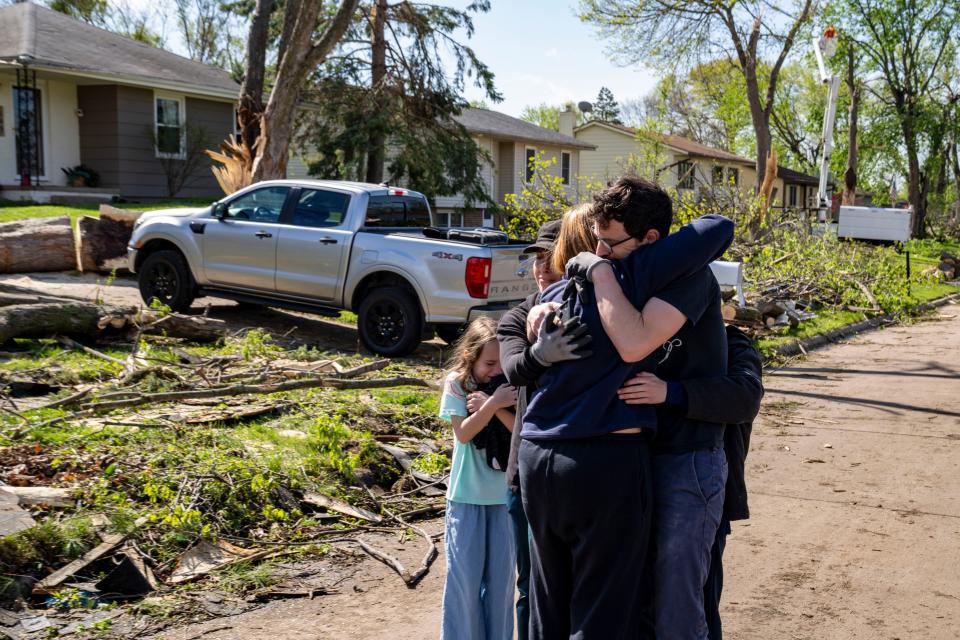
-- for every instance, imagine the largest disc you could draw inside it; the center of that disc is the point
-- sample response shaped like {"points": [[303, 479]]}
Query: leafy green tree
{"points": [[548, 115], [119, 18], [606, 108], [682, 34], [905, 44], [390, 86], [707, 105]]}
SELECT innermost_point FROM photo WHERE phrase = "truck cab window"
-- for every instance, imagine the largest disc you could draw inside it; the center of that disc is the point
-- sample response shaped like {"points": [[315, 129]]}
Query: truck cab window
{"points": [[262, 205], [317, 208], [397, 211]]}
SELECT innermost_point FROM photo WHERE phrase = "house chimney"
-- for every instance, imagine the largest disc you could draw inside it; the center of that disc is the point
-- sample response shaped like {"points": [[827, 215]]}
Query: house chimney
{"points": [[567, 121]]}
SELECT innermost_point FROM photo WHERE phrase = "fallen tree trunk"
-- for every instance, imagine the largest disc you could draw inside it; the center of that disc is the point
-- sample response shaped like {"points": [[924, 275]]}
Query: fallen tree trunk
{"points": [[39, 244], [101, 243], [85, 319], [64, 318]]}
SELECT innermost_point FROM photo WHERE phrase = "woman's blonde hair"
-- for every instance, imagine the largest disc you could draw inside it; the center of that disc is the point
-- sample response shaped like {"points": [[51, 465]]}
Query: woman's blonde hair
{"points": [[576, 235], [467, 348]]}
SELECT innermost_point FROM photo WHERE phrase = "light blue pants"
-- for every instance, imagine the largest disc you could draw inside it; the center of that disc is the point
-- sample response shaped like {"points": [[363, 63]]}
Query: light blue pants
{"points": [[478, 594]]}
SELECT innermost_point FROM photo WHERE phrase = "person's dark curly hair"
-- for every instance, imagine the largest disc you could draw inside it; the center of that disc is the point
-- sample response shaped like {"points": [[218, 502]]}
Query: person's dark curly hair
{"points": [[636, 202]]}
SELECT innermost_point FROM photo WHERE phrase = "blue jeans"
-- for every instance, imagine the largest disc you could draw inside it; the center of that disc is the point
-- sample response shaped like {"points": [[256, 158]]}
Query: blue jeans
{"points": [[688, 491], [478, 592], [521, 541]]}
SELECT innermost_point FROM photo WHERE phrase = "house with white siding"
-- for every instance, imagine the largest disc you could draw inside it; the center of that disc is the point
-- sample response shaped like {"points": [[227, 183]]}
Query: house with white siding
{"points": [[683, 164], [73, 94]]}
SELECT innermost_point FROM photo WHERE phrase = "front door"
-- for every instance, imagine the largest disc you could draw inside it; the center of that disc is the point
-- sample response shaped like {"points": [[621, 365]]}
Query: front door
{"points": [[241, 249], [313, 247]]}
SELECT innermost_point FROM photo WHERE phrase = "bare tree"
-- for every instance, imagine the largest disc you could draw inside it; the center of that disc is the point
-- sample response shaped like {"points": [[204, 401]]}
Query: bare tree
{"points": [[750, 31], [202, 24]]}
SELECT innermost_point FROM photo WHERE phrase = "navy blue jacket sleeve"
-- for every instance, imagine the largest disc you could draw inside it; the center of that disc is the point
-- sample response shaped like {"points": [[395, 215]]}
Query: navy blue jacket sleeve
{"points": [[735, 397], [688, 250], [515, 359]]}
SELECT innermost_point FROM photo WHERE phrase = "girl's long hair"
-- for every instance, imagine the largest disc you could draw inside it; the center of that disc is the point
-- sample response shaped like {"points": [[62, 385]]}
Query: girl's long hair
{"points": [[576, 235], [467, 348]]}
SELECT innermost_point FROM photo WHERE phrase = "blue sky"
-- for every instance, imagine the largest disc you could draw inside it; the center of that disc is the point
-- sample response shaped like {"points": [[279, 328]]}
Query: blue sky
{"points": [[541, 52], [538, 50]]}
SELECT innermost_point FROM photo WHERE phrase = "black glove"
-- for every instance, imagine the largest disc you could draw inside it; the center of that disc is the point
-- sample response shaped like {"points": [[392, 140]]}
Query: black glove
{"points": [[558, 343], [581, 266]]}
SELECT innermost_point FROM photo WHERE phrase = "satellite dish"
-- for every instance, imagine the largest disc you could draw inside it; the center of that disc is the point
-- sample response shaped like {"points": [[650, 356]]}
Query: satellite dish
{"points": [[585, 107]]}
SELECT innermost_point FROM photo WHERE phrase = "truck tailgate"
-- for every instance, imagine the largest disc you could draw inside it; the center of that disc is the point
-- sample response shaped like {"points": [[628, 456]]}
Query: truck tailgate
{"points": [[511, 278]]}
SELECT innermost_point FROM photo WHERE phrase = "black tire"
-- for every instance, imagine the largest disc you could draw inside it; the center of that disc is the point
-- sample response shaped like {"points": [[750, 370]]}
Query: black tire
{"points": [[390, 322], [165, 276], [449, 333]]}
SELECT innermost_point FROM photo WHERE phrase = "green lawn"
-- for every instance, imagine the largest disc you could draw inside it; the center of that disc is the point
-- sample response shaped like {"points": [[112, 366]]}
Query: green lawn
{"points": [[11, 210]]}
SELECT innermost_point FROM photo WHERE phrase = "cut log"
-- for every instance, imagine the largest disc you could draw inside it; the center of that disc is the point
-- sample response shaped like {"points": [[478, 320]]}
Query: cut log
{"points": [[46, 320], [52, 496], [728, 311], [39, 244], [101, 243], [193, 328], [771, 308], [85, 319]]}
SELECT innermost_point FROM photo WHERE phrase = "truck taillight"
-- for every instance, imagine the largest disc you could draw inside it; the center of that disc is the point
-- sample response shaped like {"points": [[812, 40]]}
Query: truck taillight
{"points": [[477, 277], [398, 192]]}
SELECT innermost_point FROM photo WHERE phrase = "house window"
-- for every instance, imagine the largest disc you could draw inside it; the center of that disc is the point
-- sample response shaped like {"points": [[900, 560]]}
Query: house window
{"points": [[792, 195], [453, 219], [685, 175], [531, 157], [169, 119], [565, 167], [717, 176], [733, 176], [28, 125]]}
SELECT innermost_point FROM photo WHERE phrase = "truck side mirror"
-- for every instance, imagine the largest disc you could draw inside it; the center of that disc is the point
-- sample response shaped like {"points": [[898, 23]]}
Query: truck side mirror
{"points": [[220, 210]]}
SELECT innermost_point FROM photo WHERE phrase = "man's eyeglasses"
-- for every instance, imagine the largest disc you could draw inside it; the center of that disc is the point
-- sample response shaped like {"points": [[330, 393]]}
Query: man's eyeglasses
{"points": [[606, 244]]}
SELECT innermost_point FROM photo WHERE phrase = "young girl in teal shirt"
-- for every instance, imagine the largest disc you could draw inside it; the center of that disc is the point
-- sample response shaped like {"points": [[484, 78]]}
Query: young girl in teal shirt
{"points": [[478, 593]]}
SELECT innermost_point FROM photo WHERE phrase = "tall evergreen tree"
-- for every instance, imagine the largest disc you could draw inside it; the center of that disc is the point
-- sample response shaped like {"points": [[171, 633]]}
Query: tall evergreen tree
{"points": [[606, 107]]}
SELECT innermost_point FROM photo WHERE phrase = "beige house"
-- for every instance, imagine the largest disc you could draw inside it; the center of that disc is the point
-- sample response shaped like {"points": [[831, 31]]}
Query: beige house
{"points": [[680, 163], [71, 93]]}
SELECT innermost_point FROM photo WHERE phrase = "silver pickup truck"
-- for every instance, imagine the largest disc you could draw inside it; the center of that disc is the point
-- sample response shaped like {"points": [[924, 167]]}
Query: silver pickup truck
{"points": [[323, 246]]}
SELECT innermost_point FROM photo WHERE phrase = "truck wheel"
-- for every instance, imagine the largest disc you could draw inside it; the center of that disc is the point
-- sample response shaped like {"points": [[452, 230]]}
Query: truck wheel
{"points": [[165, 276], [449, 332], [390, 321]]}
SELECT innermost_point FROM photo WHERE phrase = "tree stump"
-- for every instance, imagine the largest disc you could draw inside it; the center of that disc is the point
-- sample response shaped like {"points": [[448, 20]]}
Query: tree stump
{"points": [[38, 244], [102, 242]]}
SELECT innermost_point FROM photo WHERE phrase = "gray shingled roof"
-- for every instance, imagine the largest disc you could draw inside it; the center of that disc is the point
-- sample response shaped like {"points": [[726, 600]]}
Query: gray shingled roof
{"points": [[52, 39], [500, 125]]}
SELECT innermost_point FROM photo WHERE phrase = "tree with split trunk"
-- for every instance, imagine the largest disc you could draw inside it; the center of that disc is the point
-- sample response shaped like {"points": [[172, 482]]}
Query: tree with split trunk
{"points": [[308, 34], [905, 44], [759, 35]]}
